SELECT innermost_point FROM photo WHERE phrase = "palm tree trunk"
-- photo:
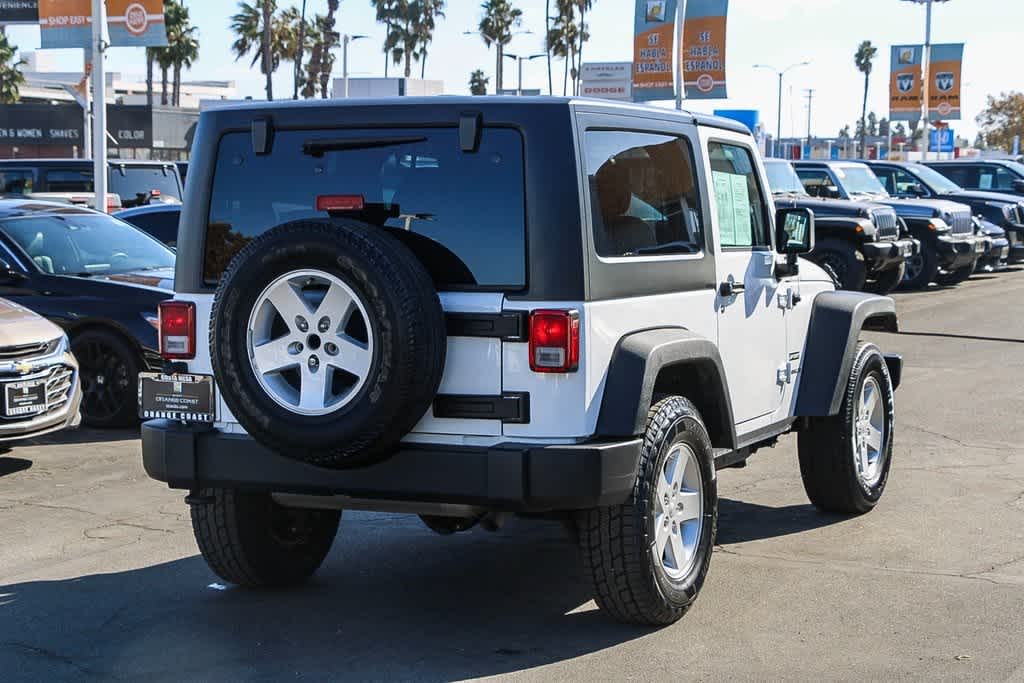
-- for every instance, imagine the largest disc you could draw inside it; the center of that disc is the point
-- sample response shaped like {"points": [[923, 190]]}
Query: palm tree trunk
{"points": [[497, 73], [301, 49], [579, 55], [163, 85], [268, 57], [565, 77], [423, 66], [863, 119], [149, 77], [176, 99], [547, 45]]}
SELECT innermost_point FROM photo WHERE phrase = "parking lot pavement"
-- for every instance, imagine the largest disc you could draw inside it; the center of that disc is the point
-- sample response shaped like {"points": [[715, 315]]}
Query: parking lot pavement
{"points": [[100, 577]]}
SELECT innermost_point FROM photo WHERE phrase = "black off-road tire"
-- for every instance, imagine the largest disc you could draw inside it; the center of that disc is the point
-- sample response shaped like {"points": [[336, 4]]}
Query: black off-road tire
{"points": [[887, 281], [110, 402], [928, 271], [955, 277], [404, 313], [249, 540], [629, 583], [826, 445], [845, 260]]}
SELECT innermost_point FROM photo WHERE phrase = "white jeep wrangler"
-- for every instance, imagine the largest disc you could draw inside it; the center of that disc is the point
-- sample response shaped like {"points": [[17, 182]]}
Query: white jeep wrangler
{"points": [[467, 307]]}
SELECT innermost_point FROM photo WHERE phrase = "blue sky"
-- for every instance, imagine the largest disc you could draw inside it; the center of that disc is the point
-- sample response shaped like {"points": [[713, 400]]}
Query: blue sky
{"points": [[777, 32]]}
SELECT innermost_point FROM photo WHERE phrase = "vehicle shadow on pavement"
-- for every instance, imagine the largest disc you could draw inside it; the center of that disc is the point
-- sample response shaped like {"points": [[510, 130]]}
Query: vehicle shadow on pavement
{"points": [[740, 521], [85, 435], [9, 465], [393, 601]]}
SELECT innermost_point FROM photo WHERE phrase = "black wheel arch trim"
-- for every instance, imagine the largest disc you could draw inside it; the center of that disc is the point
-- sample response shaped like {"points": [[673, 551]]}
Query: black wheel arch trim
{"points": [[636, 364], [837, 319]]}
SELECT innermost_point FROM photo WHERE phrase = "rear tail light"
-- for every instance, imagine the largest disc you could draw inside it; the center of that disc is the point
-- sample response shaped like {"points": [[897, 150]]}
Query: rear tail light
{"points": [[340, 202], [554, 341], [177, 330]]}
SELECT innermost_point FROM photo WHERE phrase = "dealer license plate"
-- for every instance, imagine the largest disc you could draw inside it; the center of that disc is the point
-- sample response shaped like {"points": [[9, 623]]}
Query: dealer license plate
{"points": [[25, 399], [176, 397]]}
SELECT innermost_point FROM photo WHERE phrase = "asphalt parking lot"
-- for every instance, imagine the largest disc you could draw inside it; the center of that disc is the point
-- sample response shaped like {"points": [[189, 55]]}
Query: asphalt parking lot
{"points": [[100, 576]]}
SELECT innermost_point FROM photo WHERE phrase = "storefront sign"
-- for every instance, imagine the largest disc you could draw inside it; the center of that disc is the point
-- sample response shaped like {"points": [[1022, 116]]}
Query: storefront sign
{"points": [[607, 80], [48, 124], [19, 12], [703, 49], [653, 50]]}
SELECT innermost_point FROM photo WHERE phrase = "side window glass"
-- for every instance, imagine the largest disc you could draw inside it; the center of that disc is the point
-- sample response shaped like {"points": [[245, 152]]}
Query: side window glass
{"points": [[961, 175], [986, 179], [815, 181], [643, 194], [1004, 179], [742, 220], [886, 176], [904, 181], [16, 182]]}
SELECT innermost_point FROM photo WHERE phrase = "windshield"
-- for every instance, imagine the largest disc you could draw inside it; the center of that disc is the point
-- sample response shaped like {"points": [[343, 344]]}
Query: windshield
{"points": [[86, 244], [783, 179], [935, 180], [860, 180], [137, 185], [1016, 167]]}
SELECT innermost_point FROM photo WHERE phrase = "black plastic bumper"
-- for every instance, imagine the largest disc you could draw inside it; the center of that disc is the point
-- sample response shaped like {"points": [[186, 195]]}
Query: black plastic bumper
{"points": [[957, 251], [507, 476], [882, 256]]}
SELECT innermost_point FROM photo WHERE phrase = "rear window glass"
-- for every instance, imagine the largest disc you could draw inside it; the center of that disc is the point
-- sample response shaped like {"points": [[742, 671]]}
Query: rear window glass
{"points": [[466, 209], [69, 181], [136, 186]]}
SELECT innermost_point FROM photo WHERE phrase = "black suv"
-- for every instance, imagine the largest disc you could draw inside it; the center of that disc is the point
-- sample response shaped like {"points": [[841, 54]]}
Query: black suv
{"points": [[987, 175], [911, 180], [137, 183], [949, 248], [859, 241]]}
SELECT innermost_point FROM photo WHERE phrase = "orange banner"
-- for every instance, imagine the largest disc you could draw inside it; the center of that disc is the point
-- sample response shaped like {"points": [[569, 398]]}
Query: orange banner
{"points": [[653, 50], [945, 75], [905, 84], [65, 23]]}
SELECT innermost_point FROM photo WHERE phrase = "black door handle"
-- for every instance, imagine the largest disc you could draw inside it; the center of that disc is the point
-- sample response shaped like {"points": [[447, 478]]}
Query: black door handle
{"points": [[730, 288]]}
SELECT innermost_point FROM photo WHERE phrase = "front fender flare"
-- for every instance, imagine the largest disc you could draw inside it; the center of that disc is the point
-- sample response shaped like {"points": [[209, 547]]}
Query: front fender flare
{"points": [[837, 319]]}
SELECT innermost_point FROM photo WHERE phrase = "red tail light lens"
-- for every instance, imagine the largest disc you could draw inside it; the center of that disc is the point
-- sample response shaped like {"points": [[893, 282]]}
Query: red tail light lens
{"points": [[554, 341], [177, 330], [340, 202]]}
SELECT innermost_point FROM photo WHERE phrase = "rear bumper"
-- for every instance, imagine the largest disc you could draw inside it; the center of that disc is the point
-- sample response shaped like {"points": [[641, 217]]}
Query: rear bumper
{"points": [[882, 256], [955, 252], [514, 477]]}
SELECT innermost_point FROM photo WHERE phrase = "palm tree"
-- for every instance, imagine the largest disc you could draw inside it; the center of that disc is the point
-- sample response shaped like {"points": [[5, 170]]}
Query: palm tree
{"points": [[255, 30], [478, 83], [863, 58], [405, 20], [496, 26], [163, 60], [330, 39], [430, 10], [386, 11], [182, 43], [11, 77], [298, 77], [151, 57], [584, 35], [562, 40], [547, 44]]}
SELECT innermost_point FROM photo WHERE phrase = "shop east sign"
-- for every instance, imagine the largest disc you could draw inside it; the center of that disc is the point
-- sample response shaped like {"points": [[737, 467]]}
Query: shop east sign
{"points": [[130, 23]]}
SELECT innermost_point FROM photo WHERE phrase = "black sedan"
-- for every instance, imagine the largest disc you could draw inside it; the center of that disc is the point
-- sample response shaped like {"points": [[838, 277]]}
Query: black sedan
{"points": [[101, 280]]}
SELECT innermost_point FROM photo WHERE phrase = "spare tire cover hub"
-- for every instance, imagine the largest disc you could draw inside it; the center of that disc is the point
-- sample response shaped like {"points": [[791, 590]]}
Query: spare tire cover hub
{"points": [[310, 342]]}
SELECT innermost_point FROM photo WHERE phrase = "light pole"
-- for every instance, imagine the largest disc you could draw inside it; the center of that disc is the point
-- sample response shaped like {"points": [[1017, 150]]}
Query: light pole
{"points": [[345, 40], [498, 79], [926, 66], [778, 130], [520, 60], [99, 106]]}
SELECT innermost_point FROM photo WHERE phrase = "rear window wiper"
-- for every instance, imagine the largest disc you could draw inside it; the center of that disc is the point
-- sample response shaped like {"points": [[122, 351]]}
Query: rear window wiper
{"points": [[317, 148]]}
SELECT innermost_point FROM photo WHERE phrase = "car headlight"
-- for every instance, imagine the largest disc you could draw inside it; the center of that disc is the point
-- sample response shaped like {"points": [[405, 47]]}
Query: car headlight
{"points": [[868, 229], [60, 345], [938, 225]]}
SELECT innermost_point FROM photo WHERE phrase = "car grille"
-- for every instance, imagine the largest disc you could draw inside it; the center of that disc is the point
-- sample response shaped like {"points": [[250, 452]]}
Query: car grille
{"points": [[961, 222], [22, 351], [1018, 214], [60, 379], [886, 223]]}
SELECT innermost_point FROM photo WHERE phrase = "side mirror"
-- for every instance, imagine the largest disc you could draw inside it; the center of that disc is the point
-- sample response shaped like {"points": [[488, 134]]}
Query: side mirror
{"points": [[8, 274], [1018, 185], [794, 231], [917, 190], [831, 192]]}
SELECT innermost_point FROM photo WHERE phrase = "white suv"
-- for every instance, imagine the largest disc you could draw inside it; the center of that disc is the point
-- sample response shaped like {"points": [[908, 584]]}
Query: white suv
{"points": [[467, 307]]}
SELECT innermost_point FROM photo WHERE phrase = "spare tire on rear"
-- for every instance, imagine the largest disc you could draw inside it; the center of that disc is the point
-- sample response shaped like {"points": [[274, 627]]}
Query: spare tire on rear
{"points": [[328, 341]]}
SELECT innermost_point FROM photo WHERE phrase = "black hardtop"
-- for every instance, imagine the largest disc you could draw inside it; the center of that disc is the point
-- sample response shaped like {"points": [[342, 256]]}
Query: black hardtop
{"points": [[554, 241]]}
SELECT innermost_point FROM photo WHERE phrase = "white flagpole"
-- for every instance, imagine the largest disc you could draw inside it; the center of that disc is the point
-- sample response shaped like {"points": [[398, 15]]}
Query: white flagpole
{"points": [[678, 57], [99, 105]]}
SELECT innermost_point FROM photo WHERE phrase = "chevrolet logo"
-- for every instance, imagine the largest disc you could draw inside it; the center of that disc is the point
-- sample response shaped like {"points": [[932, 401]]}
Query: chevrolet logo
{"points": [[23, 368]]}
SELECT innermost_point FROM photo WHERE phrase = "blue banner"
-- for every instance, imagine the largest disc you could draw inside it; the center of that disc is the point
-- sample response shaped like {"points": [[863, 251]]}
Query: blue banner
{"points": [[703, 49], [654, 29]]}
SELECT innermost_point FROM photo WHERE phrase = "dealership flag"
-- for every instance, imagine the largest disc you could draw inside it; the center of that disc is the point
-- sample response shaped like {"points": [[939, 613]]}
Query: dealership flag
{"points": [[945, 70], [65, 23], [703, 49], [653, 50], [136, 23], [905, 83]]}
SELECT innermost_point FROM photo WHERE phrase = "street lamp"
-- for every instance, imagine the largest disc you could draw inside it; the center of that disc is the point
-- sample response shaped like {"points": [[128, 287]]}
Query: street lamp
{"points": [[498, 76], [345, 40], [520, 60], [778, 131], [926, 63]]}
